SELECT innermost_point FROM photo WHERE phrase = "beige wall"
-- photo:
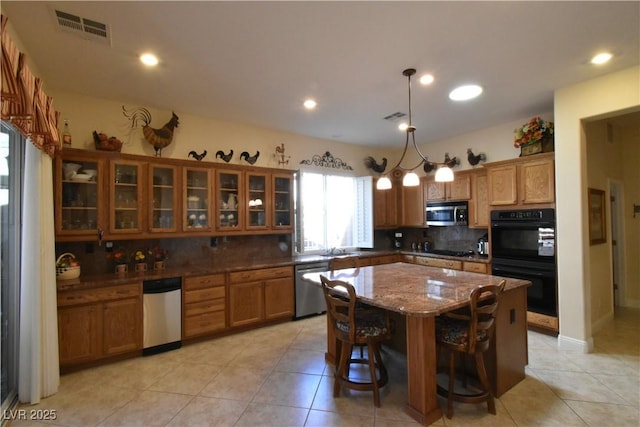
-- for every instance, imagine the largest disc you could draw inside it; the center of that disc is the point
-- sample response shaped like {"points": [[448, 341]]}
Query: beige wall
{"points": [[615, 92], [86, 114], [631, 224]]}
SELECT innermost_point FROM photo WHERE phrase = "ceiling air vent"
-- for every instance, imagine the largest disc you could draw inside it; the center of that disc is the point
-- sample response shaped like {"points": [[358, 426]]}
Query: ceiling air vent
{"points": [[86, 28], [394, 116]]}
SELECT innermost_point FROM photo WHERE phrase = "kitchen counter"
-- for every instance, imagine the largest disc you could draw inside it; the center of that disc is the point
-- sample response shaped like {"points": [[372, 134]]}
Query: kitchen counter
{"points": [[200, 269]]}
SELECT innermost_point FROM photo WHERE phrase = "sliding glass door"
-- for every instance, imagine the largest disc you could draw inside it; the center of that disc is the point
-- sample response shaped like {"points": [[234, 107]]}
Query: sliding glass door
{"points": [[11, 161]]}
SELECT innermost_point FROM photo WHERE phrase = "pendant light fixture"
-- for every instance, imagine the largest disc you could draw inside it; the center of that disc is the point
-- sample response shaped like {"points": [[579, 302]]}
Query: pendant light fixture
{"points": [[410, 178]]}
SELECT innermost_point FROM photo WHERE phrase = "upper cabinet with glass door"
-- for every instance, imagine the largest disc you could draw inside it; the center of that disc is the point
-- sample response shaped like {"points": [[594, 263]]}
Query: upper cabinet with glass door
{"points": [[163, 214], [78, 196], [125, 201], [282, 202], [228, 197], [257, 201], [197, 196]]}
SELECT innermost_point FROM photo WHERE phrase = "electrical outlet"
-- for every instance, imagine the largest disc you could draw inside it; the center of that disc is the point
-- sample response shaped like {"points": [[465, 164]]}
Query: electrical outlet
{"points": [[88, 248], [108, 246], [214, 242]]}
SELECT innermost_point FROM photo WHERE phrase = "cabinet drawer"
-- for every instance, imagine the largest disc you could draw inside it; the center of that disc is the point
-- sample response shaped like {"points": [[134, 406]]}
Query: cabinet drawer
{"points": [[440, 263], [203, 281], [259, 275], [99, 295], [204, 294], [476, 267], [203, 323], [201, 307], [408, 258], [385, 259]]}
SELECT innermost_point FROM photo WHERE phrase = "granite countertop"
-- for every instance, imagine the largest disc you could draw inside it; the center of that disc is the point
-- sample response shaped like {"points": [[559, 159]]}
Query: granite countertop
{"points": [[414, 289], [200, 269]]}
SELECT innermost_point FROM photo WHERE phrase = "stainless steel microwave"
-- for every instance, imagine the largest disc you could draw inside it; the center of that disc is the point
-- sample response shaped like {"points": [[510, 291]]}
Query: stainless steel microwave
{"points": [[447, 213]]}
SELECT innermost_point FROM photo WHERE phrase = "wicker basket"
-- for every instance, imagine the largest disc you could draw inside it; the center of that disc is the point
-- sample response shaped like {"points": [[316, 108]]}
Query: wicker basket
{"points": [[67, 273]]}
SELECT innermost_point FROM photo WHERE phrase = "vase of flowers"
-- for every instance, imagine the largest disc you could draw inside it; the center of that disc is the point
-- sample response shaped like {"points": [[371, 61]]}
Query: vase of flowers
{"points": [[139, 259], [120, 259], [535, 136], [159, 256]]}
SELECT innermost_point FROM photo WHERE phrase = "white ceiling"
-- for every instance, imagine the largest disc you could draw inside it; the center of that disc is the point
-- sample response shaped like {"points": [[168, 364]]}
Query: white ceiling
{"points": [[255, 62]]}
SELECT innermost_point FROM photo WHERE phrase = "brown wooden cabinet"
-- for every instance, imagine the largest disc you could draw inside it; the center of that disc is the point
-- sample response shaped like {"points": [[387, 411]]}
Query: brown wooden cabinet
{"points": [[79, 334], [98, 323], [229, 198], [458, 189], [479, 202], [164, 199], [204, 309], [526, 181], [257, 208], [439, 262], [281, 202], [386, 208], [80, 208], [126, 197], [413, 206], [122, 328], [135, 197], [259, 295], [476, 267], [197, 184]]}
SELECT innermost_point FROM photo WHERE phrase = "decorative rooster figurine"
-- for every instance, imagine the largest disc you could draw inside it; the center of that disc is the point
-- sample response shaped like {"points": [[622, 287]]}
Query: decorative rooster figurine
{"points": [[371, 163], [475, 159], [250, 159], [197, 156], [226, 157], [159, 138]]}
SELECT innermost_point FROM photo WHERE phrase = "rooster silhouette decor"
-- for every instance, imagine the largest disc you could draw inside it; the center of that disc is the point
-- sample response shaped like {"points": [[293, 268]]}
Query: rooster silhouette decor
{"points": [[249, 159], [158, 138], [197, 156], [226, 157]]}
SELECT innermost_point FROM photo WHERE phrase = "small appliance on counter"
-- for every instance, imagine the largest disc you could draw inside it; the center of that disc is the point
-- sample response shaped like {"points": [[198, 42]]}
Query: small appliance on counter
{"points": [[483, 245]]}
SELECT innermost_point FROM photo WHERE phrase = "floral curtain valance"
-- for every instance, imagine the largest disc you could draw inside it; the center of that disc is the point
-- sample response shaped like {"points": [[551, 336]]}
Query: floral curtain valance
{"points": [[23, 102]]}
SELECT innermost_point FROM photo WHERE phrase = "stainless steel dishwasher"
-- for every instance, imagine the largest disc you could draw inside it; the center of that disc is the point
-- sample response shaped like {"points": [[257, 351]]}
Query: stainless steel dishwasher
{"points": [[162, 318], [309, 297]]}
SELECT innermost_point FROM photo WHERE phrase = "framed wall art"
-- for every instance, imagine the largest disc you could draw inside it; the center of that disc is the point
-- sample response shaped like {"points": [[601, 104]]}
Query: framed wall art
{"points": [[597, 217]]}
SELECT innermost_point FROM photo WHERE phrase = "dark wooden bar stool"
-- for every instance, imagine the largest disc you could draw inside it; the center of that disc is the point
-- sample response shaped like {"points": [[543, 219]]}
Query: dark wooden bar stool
{"points": [[356, 325], [468, 332]]}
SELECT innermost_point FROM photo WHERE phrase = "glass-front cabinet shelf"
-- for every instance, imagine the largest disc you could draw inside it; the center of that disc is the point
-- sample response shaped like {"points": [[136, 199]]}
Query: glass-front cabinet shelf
{"points": [[282, 201], [126, 195], [197, 193], [257, 200], [228, 198], [78, 209], [164, 198]]}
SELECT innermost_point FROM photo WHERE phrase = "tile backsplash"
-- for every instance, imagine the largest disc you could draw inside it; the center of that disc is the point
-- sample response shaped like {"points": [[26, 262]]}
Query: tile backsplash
{"points": [[455, 238], [182, 251]]}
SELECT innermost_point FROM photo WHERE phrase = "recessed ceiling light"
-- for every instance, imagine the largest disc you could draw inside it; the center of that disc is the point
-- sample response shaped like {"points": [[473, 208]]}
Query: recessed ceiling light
{"points": [[464, 93], [149, 59], [426, 79], [601, 58], [310, 104]]}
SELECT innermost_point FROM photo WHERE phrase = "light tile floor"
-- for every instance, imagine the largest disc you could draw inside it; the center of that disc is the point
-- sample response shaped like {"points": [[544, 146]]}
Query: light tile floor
{"points": [[276, 376]]}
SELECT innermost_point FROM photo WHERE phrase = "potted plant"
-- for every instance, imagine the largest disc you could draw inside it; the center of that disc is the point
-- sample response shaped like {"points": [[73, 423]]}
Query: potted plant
{"points": [[535, 136], [159, 255], [120, 259], [139, 258]]}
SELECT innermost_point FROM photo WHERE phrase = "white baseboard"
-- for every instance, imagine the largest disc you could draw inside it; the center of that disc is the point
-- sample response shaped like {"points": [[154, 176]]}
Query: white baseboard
{"points": [[571, 344]]}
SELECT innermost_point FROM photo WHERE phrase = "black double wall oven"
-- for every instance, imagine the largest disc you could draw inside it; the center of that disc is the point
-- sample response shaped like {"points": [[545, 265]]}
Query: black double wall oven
{"points": [[523, 247]]}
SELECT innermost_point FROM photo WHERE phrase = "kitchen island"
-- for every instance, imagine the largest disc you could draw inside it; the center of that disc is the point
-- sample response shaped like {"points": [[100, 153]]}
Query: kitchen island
{"points": [[420, 293]]}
